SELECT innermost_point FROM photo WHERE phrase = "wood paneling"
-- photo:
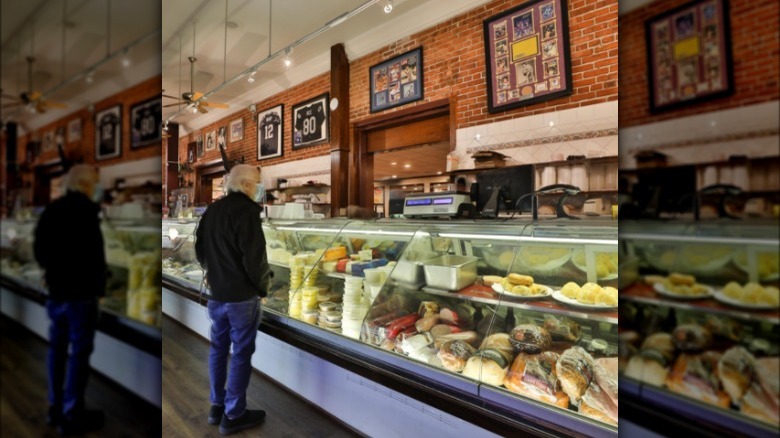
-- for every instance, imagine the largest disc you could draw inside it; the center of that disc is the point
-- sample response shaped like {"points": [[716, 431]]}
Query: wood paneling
{"points": [[411, 134], [339, 129]]}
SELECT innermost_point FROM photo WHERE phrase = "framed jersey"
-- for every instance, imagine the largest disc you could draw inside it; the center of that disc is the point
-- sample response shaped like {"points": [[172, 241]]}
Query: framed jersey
{"points": [[108, 133], [311, 122], [270, 132], [146, 123]]}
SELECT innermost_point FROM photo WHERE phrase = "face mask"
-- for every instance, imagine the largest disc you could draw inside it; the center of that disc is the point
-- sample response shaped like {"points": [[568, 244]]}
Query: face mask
{"points": [[97, 193], [259, 192]]}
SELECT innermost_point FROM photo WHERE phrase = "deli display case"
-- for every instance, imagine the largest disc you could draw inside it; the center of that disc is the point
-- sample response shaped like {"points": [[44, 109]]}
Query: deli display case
{"points": [[699, 322], [133, 257], [516, 321]]}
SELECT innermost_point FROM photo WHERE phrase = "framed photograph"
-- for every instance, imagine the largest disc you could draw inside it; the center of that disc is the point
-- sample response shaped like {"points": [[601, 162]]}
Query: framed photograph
{"points": [[397, 81], [237, 130], [311, 122], [211, 141], [527, 55], [192, 152], [222, 137], [689, 55], [199, 146], [108, 133], [74, 130], [47, 141], [146, 123], [59, 138], [270, 132]]}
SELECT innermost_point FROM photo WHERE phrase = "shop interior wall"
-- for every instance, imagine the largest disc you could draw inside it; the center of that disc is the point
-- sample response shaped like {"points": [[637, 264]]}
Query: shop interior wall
{"points": [[84, 150], [454, 68]]}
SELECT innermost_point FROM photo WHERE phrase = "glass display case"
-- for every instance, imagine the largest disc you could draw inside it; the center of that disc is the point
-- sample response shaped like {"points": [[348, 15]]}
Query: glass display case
{"points": [[511, 314], [699, 322], [133, 288]]}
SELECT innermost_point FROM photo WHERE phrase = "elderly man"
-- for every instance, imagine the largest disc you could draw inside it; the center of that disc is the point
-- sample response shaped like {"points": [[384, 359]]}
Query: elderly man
{"points": [[69, 248], [231, 248]]}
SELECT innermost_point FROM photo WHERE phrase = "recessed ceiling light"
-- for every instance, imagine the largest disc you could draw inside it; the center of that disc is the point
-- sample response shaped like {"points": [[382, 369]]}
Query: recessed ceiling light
{"points": [[407, 165], [393, 163], [403, 187], [438, 173], [394, 176]]}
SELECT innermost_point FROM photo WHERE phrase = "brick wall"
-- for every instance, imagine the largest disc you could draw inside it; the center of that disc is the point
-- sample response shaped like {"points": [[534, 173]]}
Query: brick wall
{"points": [[454, 66], [755, 41], [84, 149]]}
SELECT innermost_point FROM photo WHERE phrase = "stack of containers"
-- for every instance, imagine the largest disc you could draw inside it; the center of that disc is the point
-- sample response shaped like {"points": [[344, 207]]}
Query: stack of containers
{"points": [[296, 279], [354, 307]]}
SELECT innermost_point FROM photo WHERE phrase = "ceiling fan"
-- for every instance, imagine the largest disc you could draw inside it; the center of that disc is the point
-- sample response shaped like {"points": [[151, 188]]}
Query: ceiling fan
{"points": [[194, 99], [33, 100]]}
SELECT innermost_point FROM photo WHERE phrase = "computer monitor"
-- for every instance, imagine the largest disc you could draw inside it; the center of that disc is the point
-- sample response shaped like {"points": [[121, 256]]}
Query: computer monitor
{"points": [[505, 185]]}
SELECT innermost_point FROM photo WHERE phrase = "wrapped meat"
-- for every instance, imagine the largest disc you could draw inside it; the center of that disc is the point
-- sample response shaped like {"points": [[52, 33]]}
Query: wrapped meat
{"points": [[736, 370], [425, 323], [597, 405], [454, 354], [562, 329], [575, 372], [695, 376], [529, 338], [761, 399], [500, 342], [691, 338], [487, 366], [470, 338], [534, 376]]}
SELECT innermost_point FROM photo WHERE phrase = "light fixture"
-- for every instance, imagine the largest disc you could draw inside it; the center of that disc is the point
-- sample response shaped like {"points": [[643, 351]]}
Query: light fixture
{"points": [[389, 7], [438, 173], [287, 60], [253, 108], [90, 77], [552, 123], [393, 163], [394, 176], [251, 78], [477, 136], [194, 108], [165, 126], [407, 166], [126, 58], [173, 233]]}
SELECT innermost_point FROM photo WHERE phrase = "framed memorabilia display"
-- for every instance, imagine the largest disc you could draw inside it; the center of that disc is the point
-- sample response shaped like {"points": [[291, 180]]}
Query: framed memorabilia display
{"points": [[59, 138], [191, 152], [397, 81], [270, 132], [311, 122], [199, 146], [74, 130], [222, 137], [108, 133], [146, 123], [47, 141], [527, 55], [237, 130], [211, 141], [689, 55]]}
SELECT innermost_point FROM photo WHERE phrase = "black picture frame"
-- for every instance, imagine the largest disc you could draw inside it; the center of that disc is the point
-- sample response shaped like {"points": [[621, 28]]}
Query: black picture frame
{"points": [[397, 81], [146, 123], [311, 122], [270, 132], [199, 146], [222, 137], [689, 55], [527, 55], [108, 133]]}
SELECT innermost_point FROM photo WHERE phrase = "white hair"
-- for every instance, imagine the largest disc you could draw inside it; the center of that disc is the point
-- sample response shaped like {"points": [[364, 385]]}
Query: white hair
{"points": [[239, 174], [79, 177]]}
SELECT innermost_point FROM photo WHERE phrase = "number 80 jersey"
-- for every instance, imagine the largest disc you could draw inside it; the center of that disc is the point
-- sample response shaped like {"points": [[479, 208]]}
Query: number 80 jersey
{"points": [[309, 122]]}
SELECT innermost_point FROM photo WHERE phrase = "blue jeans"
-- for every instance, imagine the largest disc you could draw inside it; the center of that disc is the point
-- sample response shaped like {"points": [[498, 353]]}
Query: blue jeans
{"points": [[235, 323], [72, 323]]}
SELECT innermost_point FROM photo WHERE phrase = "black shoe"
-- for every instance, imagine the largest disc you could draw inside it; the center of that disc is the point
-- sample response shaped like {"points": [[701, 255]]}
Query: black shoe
{"points": [[249, 419], [54, 417], [81, 423], [215, 414]]}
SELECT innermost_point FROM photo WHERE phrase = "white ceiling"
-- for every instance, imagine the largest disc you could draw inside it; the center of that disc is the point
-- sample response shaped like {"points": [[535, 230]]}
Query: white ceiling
{"points": [[66, 37]]}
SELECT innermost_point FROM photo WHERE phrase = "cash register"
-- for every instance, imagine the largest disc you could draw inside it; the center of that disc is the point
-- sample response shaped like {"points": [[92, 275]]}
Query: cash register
{"points": [[435, 204]]}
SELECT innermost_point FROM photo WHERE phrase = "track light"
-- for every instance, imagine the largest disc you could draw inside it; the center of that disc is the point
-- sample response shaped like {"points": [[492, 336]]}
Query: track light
{"points": [[126, 58], [287, 60], [251, 78], [90, 77], [194, 108], [389, 7]]}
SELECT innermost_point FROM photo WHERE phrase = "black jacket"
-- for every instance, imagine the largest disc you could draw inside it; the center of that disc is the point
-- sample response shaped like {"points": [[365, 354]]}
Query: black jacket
{"points": [[230, 246], [69, 248]]}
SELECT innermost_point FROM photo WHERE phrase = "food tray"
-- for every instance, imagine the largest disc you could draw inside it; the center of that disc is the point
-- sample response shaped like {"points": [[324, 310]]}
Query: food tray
{"points": [[450, 272]]}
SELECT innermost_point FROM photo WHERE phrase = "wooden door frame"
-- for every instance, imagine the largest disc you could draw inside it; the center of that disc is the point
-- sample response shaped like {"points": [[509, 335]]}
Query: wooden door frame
{"points": [[362, 176], [208, 169]]}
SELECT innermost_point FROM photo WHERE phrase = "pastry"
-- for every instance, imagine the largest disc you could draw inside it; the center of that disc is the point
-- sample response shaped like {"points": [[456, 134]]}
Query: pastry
{"points": [[490, 280], [571, 290], [487, 366], [682, 279], [500, 342], [523, 280]]}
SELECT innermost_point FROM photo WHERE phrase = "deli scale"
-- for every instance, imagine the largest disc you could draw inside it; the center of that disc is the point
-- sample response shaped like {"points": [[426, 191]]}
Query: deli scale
{"points": [[435, 204]]}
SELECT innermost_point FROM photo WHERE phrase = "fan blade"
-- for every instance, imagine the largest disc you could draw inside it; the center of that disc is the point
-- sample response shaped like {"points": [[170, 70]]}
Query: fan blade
{"points": [[170, 97], [197, 95], [52, 104], [214, 104], [35, 95], [202, 110], [175, 104]]}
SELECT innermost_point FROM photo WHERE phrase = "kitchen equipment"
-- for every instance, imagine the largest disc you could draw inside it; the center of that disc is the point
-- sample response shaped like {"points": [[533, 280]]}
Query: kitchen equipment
{"points": [[450, 272]]}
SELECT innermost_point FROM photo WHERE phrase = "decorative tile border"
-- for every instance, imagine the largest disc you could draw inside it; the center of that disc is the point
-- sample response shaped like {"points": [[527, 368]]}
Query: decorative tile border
{"points": [[313, 173], [545, 140], [710, 140]]}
